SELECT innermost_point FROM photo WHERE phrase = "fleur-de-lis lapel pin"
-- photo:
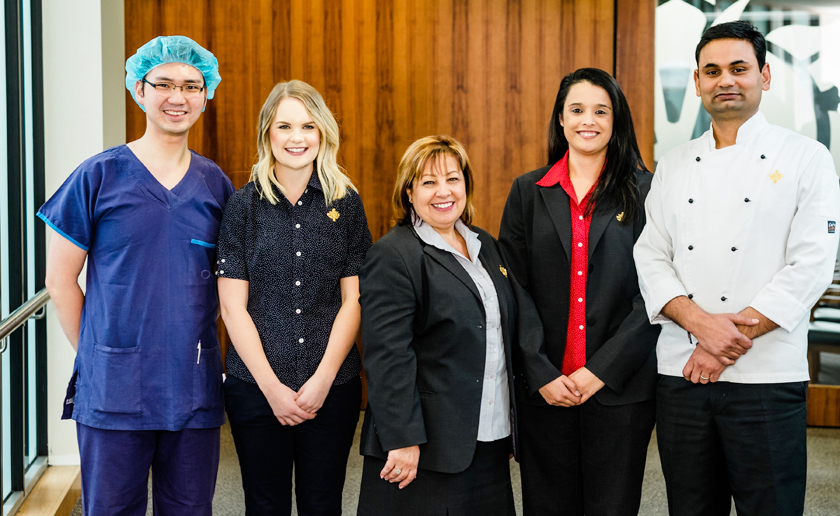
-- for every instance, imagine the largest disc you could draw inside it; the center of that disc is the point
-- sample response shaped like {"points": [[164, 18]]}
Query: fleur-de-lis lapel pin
{"points": [[775, 176], [504, 271], [620, 216], [333, 215]]}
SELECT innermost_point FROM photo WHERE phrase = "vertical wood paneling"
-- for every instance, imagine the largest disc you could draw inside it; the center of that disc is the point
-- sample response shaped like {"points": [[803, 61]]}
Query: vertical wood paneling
{"points": [[634, 66], [485, 71]]}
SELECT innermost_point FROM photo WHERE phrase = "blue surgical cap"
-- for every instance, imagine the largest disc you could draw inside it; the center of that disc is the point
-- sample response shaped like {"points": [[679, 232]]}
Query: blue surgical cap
{"points": [[172, 49]]}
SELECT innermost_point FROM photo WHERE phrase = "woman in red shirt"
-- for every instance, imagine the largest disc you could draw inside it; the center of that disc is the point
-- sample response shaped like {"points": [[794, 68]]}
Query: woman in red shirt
{"points": [[586, 395]]}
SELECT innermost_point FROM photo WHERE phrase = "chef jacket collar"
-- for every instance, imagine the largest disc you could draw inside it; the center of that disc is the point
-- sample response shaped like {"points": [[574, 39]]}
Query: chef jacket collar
{"points": [[748, 129]]}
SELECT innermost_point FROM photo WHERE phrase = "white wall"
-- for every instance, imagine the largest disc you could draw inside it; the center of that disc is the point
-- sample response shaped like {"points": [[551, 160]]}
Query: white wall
{"points": [[84, 49]]}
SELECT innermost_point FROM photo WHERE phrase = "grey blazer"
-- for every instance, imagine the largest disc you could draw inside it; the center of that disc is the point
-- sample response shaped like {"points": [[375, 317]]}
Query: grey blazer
{"points": [[424, 348]]}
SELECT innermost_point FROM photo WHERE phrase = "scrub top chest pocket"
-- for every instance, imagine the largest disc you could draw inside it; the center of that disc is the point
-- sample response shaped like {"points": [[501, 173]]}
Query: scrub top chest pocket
{"points": [[202, 272]]}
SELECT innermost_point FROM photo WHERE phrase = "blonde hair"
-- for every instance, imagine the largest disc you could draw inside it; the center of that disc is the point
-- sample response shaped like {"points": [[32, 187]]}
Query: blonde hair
{"points": [[413, 164], [333, 180]]}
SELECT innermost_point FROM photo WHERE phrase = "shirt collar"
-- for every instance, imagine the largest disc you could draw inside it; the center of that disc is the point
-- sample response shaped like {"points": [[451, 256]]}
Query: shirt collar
{"points": [[431, 237], [559, 174], [746, 132]]}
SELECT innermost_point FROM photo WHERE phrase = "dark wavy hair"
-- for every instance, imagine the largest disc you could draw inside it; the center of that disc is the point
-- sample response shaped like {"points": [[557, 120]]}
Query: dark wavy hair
{"points": [[617, 185]]}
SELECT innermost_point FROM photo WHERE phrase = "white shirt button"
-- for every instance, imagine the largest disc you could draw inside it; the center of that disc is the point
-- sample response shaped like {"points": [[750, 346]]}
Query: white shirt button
{"points": [[223, 260], [298, 253], [489, 402], [580, 300], [580, 327], [297, 311], [580, 273], [580, 244], [297, 226], [300, 203], [297, 283], [221, 272], [300, 340], [580, 217]]}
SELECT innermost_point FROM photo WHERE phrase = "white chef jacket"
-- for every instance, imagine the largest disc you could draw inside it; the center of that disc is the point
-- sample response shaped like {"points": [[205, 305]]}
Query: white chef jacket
{"points": [[752, 224], [494, 415]]}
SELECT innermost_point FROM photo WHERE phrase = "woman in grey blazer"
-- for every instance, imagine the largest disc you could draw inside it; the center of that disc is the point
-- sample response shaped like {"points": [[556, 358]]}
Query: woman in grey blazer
{"points": [[438, 316]]}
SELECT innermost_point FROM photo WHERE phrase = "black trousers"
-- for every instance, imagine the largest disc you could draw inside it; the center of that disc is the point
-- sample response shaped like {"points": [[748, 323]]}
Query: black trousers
{"points": [[483, 489], [588, 459], [317, 448], [726, 440]]}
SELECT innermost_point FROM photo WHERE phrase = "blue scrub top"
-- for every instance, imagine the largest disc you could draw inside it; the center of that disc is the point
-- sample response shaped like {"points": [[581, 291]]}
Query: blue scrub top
{"points": [[148, 356]]}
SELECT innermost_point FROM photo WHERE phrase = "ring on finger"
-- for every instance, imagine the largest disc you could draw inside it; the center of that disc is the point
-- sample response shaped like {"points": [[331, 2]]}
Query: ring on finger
{"points": [[397, 471], [703, 377]]}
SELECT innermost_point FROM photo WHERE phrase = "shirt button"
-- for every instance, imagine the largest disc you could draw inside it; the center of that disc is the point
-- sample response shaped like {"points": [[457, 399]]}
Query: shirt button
{"points": [[580, 273], [690, 247], [690, 201], [297, 283], [223, 260], [297, 226], [580, 327], [297, 311], [697, 158], [580, 217], [298, 253], [490, 402], [221, 272], [580, 300], [306, 191], [300, 203], [300, 340], [746, 199], [762, 156], [723, 298], [734, 249], [580, 244], [691, 296]]}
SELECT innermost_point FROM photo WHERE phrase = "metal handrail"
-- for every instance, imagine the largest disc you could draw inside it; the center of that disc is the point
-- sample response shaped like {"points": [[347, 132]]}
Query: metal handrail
{"points": [[19, 317]]}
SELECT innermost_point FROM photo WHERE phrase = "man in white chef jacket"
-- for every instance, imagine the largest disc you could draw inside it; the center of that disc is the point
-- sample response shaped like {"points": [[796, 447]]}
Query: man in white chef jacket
{"points": [[740, 242]]}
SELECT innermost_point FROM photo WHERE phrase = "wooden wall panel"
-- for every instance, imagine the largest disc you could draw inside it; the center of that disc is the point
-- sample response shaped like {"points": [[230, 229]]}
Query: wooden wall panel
{"points": [[392, 71]]}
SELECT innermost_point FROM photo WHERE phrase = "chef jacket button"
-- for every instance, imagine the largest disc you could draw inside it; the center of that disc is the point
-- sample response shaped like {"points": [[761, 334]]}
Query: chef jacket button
{"points": [[697, 158], [734, 249], [723, 298], [762, 156], [690, 201], [690, 248], [746, 199], [691, 296]]}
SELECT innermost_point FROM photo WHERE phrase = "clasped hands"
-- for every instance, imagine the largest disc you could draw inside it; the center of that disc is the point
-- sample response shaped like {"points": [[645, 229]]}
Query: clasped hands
{"points": [[721, 340], [568, 391], [293, 408]]}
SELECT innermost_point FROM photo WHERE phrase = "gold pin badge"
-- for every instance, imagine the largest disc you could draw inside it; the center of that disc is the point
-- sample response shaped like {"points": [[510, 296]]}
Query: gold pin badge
{"points": [[504, 271], [620, 216], [775, 176], [333, 215]]}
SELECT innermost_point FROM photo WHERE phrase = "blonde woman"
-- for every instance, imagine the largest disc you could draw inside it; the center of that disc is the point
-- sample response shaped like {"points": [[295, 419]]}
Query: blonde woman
{"points": [[290, 247]]}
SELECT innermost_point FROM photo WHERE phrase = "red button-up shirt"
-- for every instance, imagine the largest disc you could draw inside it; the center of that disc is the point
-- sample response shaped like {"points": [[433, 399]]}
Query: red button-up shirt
{"points": [[575, 354]]}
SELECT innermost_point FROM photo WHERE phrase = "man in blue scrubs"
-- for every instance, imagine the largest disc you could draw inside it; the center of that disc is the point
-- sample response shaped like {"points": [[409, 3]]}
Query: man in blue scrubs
{"points": [[146, 388]]}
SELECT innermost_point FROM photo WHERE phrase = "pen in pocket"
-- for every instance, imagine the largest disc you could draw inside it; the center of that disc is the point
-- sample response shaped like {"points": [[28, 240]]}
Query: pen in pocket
{"points": [[198, 347]]}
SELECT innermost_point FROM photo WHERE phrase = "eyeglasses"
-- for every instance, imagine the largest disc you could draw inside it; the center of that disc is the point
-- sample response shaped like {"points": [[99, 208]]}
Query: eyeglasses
{"points": [[168, 87]]}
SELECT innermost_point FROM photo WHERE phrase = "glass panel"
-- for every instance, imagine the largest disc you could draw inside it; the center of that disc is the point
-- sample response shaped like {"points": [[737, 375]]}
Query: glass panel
{"points": [[4, 264], [31, 448]]}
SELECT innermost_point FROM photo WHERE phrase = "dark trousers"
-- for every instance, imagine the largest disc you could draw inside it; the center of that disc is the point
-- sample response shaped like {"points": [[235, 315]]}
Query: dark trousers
{"points": [[317, 448], [483, 489], [115, 471], [722, 440], [588, 459]]}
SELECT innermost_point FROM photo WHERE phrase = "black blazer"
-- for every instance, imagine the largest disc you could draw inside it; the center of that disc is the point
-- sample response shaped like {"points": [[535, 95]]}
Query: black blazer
{"points": [[425, 348], [536, 238]]}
